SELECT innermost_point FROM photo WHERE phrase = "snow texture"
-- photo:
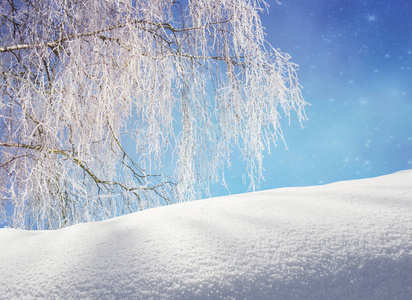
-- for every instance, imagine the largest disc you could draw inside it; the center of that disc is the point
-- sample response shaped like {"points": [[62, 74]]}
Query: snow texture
{"points": [[347, 240]]}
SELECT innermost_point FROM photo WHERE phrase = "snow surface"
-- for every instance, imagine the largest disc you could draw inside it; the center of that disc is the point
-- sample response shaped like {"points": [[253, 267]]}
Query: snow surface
{"points": [[347, 240]]}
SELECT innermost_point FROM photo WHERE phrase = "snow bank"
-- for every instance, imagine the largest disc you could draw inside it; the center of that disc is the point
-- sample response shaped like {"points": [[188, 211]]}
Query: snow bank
{"points": [[347, 240]]}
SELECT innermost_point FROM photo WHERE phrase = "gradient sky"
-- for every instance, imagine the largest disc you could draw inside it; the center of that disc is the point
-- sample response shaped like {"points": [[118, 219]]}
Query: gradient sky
{"points": [[355, 59]]}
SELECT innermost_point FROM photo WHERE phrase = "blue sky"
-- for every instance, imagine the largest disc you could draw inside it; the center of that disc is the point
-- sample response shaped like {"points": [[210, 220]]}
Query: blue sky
{"points": [[355, 61]]}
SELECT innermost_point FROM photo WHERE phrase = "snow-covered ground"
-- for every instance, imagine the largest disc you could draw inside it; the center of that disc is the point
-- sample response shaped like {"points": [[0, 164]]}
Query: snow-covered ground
{"points": [[347, 240]]}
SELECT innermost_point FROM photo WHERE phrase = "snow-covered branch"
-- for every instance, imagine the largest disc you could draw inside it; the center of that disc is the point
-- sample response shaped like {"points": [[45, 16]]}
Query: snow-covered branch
{"points": [[80, 82]]}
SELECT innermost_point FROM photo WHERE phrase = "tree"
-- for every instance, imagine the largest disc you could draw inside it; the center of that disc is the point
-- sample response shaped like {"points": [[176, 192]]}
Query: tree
{"points": [[81, 80]]}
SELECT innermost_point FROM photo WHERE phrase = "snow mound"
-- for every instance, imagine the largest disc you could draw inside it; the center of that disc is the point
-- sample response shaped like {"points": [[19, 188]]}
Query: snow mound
{"points": [[347, 240]]}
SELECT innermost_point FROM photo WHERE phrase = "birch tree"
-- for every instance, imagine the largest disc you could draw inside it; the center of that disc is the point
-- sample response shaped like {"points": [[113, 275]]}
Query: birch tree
{"points": [[81, 81]]}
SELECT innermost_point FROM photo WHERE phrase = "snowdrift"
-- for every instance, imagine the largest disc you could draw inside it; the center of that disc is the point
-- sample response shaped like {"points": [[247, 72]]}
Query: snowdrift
{"points": [[347, 240]]}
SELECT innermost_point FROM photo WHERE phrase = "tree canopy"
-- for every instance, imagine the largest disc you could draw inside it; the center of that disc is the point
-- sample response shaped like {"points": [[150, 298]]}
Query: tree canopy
{"points": [[83, 80]]}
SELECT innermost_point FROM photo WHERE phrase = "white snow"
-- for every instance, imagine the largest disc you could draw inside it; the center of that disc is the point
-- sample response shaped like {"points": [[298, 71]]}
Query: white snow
{"points": [[347, 240]]}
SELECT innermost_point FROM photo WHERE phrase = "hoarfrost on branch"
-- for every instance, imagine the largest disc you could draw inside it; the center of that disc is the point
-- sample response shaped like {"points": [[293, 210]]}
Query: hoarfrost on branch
{"points": [[80, 80]]}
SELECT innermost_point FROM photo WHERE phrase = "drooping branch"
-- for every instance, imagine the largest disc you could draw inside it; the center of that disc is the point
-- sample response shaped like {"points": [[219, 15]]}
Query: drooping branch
{"points": [[57, 42], [80, 81], [81, 164]]}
